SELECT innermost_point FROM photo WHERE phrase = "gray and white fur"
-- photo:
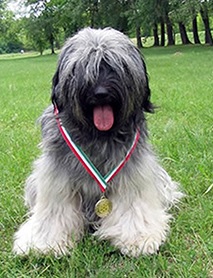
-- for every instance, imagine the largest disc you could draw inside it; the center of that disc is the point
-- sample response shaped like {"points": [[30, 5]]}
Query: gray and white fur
{"points": [[97, 68]]}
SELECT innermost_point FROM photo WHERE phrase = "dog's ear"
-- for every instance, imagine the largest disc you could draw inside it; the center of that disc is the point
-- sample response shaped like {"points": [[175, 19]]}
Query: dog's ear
{"points": [[147, 106], [55, 89]]}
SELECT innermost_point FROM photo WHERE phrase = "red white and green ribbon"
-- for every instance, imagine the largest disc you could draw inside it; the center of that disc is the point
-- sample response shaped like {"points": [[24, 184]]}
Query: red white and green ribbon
{"points": [[86, 162]]}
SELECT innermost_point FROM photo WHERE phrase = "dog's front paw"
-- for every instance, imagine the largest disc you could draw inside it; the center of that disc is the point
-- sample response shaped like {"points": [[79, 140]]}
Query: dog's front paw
{"points": [[24, 238], [23, 247], [142, 245], [43, 238]]}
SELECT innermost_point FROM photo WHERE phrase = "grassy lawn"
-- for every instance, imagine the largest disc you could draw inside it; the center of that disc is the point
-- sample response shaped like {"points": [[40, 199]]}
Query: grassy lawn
{"points": [[181, 130]]}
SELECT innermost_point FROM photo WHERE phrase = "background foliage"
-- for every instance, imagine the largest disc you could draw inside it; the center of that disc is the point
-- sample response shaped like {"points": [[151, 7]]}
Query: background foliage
{"points": [[47, 23]]}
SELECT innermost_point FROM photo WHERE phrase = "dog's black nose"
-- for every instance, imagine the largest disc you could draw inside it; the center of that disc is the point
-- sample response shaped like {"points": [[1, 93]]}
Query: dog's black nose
{"points": [[100, 91]]}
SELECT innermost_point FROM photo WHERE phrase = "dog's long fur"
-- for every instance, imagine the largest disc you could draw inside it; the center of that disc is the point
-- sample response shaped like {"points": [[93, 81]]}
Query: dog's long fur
{"points": [[97, 67]]}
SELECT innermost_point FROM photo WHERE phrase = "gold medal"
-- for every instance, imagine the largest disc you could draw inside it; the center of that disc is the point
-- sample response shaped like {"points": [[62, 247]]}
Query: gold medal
{"points": [[103, 207]]}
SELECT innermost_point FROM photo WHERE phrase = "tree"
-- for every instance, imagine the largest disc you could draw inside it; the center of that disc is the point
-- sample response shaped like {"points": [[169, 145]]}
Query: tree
{"points": [[49, 24], [9, 31], [148, 14], [195, 30], [170, 34], [36, 33], [162, 28], [155, 34], [195, 5], [134, 15], [180, 13], [2, 13], [117, 10], [183, 33], [43, 14], [163, 7], [160, 11], [205, 17], [152, 16]]}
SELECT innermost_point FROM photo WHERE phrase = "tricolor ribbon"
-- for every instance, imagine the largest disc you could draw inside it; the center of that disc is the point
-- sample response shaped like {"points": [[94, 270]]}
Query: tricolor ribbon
{"points": [[86, 162]]}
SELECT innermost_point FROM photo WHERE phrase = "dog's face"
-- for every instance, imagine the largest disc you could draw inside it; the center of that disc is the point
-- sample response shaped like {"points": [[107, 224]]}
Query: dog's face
{"points": [[101, 81]]}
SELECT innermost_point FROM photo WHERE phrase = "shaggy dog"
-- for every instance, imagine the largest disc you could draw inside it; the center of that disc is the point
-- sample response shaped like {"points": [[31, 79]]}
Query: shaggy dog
{"points": [[100, 94]]}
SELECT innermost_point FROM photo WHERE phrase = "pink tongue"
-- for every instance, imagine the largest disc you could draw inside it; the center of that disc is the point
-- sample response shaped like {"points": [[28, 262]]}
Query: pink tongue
{"points": [[103, 117]]}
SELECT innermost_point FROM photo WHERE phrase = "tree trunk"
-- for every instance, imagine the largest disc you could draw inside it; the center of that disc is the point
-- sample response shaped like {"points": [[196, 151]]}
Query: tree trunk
{"points": [[41, 49], [171, 40], [52, 44], [52, 49], [205, 18], [162, 30], [155, 33], [195, 30], [183, 33], [138, 36]]}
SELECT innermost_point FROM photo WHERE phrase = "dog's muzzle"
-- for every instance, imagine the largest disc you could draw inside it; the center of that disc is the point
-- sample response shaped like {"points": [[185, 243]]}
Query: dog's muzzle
{"points": [[103, 114]]}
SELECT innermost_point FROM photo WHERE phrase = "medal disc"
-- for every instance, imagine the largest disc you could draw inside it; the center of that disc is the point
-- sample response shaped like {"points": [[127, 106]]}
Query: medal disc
{"points": [[103, 207]]}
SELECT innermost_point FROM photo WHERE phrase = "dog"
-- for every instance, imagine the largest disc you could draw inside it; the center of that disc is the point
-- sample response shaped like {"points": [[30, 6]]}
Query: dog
{"points": [[97, 125]]}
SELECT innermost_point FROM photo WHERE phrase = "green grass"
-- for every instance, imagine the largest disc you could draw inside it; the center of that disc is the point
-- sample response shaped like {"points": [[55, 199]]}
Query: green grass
{"points": [[181, 131]]}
